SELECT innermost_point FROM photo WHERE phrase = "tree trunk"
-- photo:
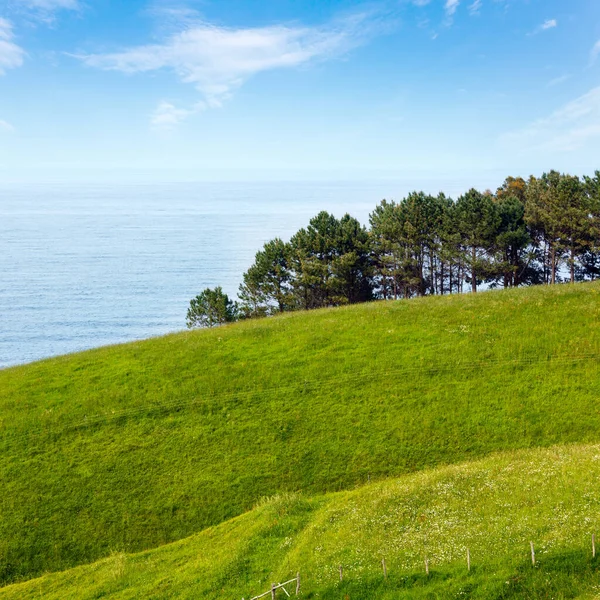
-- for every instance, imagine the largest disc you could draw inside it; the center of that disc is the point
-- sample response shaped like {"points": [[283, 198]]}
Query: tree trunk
{"points": [[553, 265], [473, 269], [572, 264], [421, 259], [432, 272]]}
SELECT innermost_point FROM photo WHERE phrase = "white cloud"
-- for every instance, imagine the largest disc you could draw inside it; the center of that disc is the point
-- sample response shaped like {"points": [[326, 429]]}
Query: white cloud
{"points": [[6, 126], [558, 80], [549, 24], [565, 130], [475, 7], [218, 60], [451, 6], [11, 55], [44, 10], [167, 115], [5, 29], [595, 52], [545, 26]]}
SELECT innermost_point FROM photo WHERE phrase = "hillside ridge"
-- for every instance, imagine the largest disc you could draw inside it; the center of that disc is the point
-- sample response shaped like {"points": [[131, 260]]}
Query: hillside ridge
{"points": [[485, 506], [135, 446]]}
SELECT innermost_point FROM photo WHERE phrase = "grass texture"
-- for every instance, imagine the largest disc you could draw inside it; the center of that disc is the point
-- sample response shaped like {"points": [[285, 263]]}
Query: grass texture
{"points": [[493, 507], [130, 447]]}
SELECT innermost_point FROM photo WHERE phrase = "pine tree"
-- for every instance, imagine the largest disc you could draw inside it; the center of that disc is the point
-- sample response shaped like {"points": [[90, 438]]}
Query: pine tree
{"points": [[589, 265], [513, 242], [478, 221], [384, 233], [540, 210], [572, 219], [331, 262], [210, 309], [266, 287], [558, 211]]}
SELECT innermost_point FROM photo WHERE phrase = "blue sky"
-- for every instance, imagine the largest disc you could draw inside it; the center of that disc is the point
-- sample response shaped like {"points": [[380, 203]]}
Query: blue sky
{"points": [[224, 88]]}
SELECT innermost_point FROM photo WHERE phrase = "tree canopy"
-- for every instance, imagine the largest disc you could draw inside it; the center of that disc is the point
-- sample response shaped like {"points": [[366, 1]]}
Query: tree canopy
{"points": [[542, 230], [211, 308]]}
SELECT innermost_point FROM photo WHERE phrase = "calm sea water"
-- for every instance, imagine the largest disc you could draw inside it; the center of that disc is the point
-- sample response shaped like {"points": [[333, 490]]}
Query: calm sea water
{"points": [[91, 265]]}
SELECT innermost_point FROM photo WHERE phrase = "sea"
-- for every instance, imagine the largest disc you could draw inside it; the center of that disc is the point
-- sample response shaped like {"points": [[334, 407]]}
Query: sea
{"points": [[87, 265]]}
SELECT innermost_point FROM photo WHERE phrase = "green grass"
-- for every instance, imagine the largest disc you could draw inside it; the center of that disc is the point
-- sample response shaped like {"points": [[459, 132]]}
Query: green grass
{"points": [[126, 448], [494, 507]]}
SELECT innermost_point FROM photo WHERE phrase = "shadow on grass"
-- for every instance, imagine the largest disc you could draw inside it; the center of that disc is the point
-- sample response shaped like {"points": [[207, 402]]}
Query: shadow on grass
{"points": [[560, 576]]}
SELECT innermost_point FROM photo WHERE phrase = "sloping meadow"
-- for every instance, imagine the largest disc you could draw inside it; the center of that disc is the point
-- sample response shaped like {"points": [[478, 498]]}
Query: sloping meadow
{"points": [[130, 447], [493, 508]]}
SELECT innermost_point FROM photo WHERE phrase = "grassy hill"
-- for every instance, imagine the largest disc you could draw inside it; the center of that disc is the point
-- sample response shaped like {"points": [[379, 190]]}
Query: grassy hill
{"points": [[126, 448], [493, 507]]}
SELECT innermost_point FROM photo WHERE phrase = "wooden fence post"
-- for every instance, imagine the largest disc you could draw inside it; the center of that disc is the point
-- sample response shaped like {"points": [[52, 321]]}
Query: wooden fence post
{"points": [[341, 573], [427, 565], [532, 554], [273, 591], [468, 560], [298, 583], [384, 568], [593, 545]]}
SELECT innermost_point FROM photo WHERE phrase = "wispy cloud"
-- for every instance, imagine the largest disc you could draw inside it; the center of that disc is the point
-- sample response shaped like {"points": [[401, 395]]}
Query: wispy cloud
{"points": [[451, 6], [44, 10], [558, 80], [219, 60], [11, 55], [168, 116], [49, 4], [545, 26], [567, 129], [172, 19], [549, 24], [6, 126], [595, 53], [475, 8]]}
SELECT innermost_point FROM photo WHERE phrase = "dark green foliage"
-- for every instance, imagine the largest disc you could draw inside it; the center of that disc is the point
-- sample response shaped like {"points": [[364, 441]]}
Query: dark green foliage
{"points": [[571, 219], [479, 221], [413, 245], [559, 210], [528, 233], [210, 309], [266, 288], [386, 233], [331, 263], [589, 265], [326, 264], [513, 244]]}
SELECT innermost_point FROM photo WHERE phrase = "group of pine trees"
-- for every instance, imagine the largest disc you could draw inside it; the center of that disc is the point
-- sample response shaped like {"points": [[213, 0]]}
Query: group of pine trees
{"points": [[541, 231]]}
